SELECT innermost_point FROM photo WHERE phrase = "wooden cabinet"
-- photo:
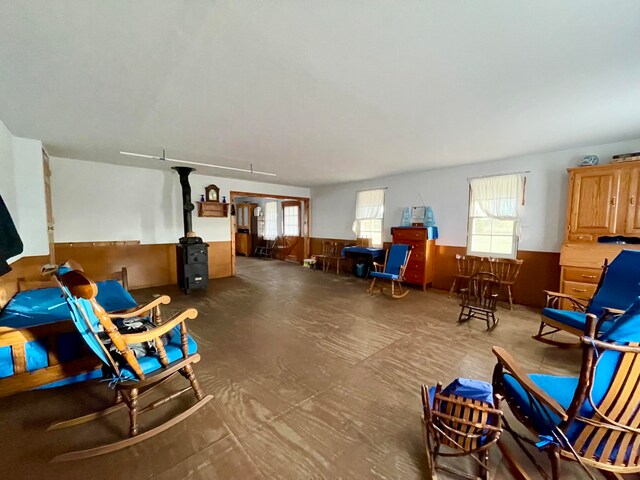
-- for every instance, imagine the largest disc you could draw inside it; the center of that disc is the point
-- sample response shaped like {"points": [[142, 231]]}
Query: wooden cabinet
{"points": [[594, 201], [632, 223], [603, 201], [421, 267], [246, 228]]}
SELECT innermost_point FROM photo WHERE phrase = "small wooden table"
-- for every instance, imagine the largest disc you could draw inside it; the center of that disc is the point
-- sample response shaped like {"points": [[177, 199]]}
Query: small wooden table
{"points": [[39, 345]]}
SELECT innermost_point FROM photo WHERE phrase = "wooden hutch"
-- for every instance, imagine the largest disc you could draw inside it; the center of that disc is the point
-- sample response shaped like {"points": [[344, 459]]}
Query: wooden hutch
{"points": [[246, 228], [603, 202]]}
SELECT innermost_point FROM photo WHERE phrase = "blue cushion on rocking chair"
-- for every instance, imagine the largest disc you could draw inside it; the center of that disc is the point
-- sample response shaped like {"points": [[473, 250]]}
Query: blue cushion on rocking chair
{"points": [[386, 276]]}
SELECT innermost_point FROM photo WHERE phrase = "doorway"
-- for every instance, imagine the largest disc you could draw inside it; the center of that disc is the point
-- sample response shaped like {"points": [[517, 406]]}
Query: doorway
{"points": [[280, 224]]}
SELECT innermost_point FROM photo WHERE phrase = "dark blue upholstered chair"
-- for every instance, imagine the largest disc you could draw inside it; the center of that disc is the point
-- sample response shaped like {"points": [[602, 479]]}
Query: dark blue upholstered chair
{"points": [[593, 418], [134, 363], [619, 286], [395, 263]]}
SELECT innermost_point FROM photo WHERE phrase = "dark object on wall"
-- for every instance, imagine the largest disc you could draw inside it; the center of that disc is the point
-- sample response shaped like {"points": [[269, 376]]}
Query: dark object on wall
{"points": [[10, 242], [191, 252]]}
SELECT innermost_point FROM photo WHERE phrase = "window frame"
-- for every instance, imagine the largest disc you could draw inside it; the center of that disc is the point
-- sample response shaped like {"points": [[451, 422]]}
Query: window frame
{"points": [[296, 205], [470, 233], [384, 200]]}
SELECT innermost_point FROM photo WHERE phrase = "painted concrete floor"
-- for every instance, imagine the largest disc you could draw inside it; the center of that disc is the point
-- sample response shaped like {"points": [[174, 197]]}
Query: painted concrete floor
{"points": [[312, 378]]}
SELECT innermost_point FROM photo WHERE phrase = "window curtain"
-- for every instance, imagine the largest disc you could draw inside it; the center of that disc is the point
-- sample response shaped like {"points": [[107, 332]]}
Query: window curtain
{"points": [[271, 220], [369, 205], [499, 197]]}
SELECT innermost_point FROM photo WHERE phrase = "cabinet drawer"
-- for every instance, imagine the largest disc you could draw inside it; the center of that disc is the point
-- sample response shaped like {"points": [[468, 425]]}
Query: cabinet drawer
{"points": [[414, 276], [580, 237], [579, 289], [408, 234], [415, 266], [582, 275]]}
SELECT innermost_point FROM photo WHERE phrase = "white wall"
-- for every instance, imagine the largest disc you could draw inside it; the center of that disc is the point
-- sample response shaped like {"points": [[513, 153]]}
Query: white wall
{"points": [[103, 202], [446, 190], [22, 189]]}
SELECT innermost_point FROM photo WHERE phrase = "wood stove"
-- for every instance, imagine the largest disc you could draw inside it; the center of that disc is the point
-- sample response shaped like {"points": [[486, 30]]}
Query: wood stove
{"points": [[192, 256]]}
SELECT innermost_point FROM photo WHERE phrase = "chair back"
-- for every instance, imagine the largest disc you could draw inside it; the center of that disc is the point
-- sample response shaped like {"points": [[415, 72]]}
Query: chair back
{"points": [[506, 269], [482, 291], [606, 431], [620, 285], [469, 264], [90, 319], [397, 259], [464, 424]]}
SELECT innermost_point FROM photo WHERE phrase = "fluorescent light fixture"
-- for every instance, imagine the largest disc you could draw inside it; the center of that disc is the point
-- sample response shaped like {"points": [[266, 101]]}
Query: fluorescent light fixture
{"points": [[176, 160]]}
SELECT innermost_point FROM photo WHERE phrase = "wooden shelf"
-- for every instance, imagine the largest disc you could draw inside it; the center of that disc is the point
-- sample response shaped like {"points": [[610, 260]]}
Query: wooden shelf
{"points": [[213, 209]]}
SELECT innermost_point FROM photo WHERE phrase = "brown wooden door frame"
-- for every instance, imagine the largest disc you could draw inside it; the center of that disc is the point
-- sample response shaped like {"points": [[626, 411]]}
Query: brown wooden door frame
{"points": [[294, 243], [305, 226], [49, 206]]}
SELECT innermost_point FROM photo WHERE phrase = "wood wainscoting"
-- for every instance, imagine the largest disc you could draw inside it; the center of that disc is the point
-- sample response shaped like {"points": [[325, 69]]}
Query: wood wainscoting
{"points": [[540, 271], [25, 267], [149, 265]]}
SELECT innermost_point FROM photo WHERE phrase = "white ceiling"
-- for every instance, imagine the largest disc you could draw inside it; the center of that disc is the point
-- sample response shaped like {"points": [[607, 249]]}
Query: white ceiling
{"points": [[319, 91]]}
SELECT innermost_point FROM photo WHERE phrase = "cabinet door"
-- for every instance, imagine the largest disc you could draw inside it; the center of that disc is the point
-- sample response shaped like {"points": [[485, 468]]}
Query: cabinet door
{"points": [[594, 201], [633, 212]]}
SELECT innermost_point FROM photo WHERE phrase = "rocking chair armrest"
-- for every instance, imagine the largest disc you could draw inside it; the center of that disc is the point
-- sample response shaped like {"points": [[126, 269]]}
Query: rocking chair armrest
{"points": [[138, 311], [577, 302], [156, 332], [523, 379], [564, 295], [377, 266], [609, 311]]}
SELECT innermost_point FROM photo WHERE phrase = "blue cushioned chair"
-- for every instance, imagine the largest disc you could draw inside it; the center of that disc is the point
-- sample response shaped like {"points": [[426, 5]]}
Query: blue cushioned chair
{"points": [[619, 286], [593, 418], [132, 370], [395, 263]]}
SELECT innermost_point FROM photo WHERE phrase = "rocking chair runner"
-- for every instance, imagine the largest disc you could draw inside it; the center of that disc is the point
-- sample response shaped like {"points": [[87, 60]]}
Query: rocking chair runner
{"points": [[133, 376], [618, 288], [395, 263], [480, 299], [593, 418]]}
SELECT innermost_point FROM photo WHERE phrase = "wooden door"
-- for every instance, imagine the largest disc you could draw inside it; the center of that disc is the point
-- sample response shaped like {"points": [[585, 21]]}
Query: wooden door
{"points": [[291, 230], [632, 224], [594, 201], [47, 197]]}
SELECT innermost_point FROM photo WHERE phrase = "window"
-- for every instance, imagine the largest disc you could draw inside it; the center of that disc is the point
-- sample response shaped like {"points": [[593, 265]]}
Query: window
{"points": [[270, 220], [494, 215], [369, 215], [291, 214]]}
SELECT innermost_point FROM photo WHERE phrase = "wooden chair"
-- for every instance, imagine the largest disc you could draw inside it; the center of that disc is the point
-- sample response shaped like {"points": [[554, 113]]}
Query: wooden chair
{"points": [[619, 286], [328, 253], [467, 266], [507, 270], [593, 418], [480, 298], [266, 250], [395, 263], [132, 377], [463, 426], [338, 255]]}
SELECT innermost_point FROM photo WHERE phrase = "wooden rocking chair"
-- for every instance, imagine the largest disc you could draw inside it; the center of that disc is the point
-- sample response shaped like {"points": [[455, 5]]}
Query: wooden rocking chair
{"points": [[133, 377], [619, 286], [467, 266], [466, 426], [592, 419], [507, 270], [395, 263], [480, 299]]}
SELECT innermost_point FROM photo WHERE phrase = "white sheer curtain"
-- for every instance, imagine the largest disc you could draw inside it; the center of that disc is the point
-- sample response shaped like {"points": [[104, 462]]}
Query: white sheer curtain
{"points": [[497, 197], [369, 206], [271, 220]]}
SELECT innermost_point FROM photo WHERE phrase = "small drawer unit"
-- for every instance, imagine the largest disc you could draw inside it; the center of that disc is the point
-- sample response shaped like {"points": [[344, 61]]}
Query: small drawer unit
{"points": [[421, 267]]}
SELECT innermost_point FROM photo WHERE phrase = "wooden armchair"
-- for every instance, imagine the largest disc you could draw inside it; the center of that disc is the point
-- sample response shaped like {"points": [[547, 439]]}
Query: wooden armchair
{"points": [[467, 266], [592, 418], [480, 298], [328, 254], [169, 350], [507, 270]]}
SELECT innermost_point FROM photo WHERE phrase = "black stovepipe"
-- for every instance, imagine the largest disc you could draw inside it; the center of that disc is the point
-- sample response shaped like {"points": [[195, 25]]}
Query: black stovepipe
{"points": [[187, 206]]}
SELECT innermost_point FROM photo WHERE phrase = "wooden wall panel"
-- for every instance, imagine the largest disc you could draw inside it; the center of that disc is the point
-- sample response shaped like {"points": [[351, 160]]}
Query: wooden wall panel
{"points": [[540, 271], [219, 259], [27, 268]]}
